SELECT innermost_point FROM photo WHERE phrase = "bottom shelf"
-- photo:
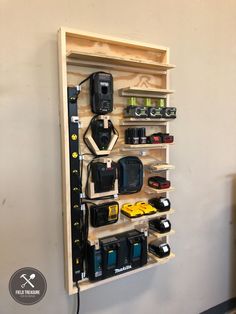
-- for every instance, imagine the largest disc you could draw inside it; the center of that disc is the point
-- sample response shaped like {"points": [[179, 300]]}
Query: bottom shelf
{"points": [[152, 261], [153, 235]]}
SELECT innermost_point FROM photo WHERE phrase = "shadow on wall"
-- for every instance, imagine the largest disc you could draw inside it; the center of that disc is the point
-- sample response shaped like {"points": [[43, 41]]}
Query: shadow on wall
{"points": [[133, 292], [233, 239]]}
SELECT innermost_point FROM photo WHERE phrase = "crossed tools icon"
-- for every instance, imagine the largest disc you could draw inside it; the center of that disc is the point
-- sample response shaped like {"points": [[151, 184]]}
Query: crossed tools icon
{"points": [[27, 280]]}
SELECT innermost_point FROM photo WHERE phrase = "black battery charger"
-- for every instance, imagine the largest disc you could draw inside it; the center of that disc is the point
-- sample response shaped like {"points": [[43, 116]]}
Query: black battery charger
{"points": [[130, 174], [101, 92], [117, 254], [104, 214], [103, 176]]}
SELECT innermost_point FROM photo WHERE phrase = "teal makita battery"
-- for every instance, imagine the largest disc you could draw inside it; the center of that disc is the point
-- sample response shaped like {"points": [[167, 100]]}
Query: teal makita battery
{"points": [[98, 264], [137, 249], [111, 259]]}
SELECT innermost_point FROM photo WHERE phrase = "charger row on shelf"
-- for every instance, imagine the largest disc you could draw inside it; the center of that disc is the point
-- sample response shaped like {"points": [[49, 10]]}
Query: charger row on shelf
{"points": [[108, 213], [123, 252]]}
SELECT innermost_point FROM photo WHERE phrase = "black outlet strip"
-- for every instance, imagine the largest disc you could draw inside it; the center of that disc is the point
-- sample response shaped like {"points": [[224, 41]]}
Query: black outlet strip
{"points": [[77, 213]]}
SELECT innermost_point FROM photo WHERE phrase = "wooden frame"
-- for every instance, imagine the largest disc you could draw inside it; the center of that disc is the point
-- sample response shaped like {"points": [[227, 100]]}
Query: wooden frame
{"points": [[143, 67]]}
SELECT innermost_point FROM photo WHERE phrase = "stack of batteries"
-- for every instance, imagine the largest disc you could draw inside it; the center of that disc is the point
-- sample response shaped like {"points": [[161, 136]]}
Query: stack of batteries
{"points": [[135, 136]]}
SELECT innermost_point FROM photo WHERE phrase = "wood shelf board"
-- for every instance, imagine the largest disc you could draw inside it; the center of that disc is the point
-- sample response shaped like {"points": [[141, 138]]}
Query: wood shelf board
{"points": [[98, 66], [153, 261], [155, 235], [70, 32], [145, 122], [144, 92], [162, 260], [124, 149], [150, 190], [147, 217], [145, 146], [159, 168], [119, 61]]}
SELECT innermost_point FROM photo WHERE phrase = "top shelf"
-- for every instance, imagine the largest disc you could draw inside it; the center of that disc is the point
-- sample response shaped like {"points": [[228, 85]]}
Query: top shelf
{"points": [[144, 92], [96, 57]]}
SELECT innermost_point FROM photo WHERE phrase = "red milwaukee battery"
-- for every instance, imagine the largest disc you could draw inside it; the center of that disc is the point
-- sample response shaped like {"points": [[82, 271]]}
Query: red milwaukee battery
{"points": [[154, 139], [166, 138], [158, 183]]}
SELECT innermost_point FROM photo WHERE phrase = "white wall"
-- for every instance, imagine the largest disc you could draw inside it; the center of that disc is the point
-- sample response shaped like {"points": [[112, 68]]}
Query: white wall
{"points": [[201, 35]]}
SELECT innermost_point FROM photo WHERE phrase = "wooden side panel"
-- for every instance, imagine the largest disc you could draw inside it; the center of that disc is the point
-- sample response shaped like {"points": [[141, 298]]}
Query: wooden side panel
{"points": [[65, 160]]}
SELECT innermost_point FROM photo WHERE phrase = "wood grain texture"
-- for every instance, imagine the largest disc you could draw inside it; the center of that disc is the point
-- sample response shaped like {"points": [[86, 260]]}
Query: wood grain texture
{"points": [[132, 62]]}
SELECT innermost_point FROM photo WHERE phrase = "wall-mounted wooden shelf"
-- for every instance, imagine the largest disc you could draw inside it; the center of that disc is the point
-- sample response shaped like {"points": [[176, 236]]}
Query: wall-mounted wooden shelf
{"points": [[144, 122], [155, 235], [143, 68], [95, 57], [150, 190], [146, 146], [153, 261], [159, 168], [145, 92]]}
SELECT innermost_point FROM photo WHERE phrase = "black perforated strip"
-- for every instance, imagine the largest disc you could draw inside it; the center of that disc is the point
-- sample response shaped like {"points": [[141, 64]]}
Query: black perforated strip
{"points": [[75, 185]]}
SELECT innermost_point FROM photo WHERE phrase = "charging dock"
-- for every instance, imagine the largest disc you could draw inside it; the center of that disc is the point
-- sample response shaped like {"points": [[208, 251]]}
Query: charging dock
{"points": [[102, 179], [93, 194], [99, 136]]}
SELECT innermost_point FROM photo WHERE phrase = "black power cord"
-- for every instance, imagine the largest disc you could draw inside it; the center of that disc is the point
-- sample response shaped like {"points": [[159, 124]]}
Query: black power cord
{"points": [[87, 78], [85, 225], [86, 131], [78, 297], [85, 230], [81, 167]]}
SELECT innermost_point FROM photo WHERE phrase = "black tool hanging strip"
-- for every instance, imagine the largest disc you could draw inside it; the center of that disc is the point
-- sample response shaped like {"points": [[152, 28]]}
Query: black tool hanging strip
{"points": [[75, 185]]}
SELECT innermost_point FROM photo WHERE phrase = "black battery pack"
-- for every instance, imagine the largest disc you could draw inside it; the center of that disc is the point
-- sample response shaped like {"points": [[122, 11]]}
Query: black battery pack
{"points": [[117, 254], [168, 113], [160, 225], [160, 250], [158, 183], [162, 204]]}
